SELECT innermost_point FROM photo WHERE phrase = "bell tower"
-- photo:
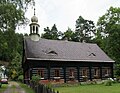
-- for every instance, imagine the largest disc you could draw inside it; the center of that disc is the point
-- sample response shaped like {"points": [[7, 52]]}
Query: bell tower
{"points": [[34, 28]]}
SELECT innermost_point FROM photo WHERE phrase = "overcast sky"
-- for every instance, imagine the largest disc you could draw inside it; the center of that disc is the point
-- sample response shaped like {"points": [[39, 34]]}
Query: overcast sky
{"points": [[64, 13]]}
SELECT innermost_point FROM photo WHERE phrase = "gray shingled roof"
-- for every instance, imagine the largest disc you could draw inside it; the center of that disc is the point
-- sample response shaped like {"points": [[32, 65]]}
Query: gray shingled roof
{"points": [[64, 51]]}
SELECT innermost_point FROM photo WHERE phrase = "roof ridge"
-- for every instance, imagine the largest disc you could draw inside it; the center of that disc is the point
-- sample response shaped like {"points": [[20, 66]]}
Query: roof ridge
{"points": [[68, 41]]}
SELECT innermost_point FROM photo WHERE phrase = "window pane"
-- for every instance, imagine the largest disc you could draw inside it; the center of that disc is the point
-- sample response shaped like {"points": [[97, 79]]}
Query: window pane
{"points": [[57, 73], [41, 73]]}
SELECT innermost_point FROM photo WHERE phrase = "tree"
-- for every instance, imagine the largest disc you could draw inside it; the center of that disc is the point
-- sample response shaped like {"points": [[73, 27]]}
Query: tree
{"points": [[117, 71], [15, 67], [12, 13], [54, 32], [19, 3], [85, 29], [51, 34], [10, 42], [109, 30], [68, 34], [47, 33]]}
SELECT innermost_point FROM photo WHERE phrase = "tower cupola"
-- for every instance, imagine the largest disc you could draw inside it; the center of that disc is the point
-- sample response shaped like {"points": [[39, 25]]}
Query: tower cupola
{"points": [[34, 19], [34, 28]]}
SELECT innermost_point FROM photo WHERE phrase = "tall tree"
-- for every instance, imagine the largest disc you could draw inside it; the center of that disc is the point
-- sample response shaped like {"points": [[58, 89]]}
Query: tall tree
{"points": [[68, 34], [15, 67], [85, 29], [10, 42], [12, 13], [52, 33], [109, 30], [47, 33]]}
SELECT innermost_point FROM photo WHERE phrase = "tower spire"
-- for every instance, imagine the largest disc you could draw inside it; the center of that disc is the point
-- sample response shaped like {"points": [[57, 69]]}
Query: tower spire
{"points": [[34, 7], [34, 10], [34, 27]]}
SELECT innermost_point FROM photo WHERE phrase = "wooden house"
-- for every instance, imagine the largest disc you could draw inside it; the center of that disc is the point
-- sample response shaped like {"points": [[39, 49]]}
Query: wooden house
{"points": [[66, 61]]}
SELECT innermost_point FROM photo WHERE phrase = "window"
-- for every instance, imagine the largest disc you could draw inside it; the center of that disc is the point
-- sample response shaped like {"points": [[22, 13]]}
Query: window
{"points": [[57, 72], [41, 73], [92, 54], [36, 30], [84, 72], [96, 72], [72, 72], [107, 71], [52, 52], [33, 29]]}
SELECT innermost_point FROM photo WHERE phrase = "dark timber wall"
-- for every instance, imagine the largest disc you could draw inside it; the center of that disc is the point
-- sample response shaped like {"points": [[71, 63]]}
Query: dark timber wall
{"points": [[49, 68]]}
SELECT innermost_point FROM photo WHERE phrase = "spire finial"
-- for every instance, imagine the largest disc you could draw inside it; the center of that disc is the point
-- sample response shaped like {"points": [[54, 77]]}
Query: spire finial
{"points": [[34, 7], [34, 11]]}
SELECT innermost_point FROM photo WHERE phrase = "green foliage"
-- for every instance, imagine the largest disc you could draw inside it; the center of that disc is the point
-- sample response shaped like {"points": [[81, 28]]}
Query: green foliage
{"points": [[49, 85], [15, 67], [52, 33], [69, 35], [11, 50], [10, 42], [109, 33], [20, 78], [26, 88], [36, 78], [3, 88], [18, 3], [12, 14], [108, 83], [117, 71], [85, 29]]}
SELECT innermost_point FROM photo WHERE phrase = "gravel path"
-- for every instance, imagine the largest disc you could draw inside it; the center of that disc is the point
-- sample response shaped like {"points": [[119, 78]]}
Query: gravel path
{"points": [[14, 87]]}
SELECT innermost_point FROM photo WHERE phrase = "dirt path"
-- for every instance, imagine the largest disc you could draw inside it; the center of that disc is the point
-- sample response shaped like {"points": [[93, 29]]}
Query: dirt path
{"points": [[14, 87]]}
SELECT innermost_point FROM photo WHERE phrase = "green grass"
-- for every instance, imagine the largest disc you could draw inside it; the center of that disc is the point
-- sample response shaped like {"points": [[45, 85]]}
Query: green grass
{"points": [[115, 88], [3, 87], [26, 88]]}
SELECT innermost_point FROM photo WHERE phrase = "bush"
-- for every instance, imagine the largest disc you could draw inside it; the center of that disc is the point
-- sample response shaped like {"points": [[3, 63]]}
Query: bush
{"points": [[49, 85], [20, 78], [108, 83], [36, 78]]}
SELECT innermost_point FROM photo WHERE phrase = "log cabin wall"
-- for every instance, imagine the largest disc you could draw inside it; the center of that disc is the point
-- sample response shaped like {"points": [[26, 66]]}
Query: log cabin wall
{"points": [[84, 73], [37, 71], [95, 73], [106, 72], [71, 74], [56, 73]]}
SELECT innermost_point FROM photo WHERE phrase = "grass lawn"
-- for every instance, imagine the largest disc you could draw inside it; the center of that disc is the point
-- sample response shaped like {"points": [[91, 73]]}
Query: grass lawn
{"points": [[3, 87], [115, 88], [26, 88]]}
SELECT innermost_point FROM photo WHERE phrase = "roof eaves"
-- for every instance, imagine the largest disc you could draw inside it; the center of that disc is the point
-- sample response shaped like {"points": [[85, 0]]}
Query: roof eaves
{"points": [[111, 61]]}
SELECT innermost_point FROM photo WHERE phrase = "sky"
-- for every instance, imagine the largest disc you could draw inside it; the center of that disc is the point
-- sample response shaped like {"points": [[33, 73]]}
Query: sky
{"points": [[64, 13]]}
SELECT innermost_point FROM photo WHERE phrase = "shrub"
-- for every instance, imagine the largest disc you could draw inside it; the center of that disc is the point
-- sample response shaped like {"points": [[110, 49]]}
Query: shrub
{"points": [[108, 83], [36, 78], [20, 78], [49, 85]]}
